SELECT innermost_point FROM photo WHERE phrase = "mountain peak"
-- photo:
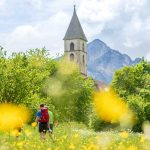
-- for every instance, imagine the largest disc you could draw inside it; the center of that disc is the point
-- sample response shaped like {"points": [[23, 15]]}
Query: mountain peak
{"points": [[98, 41], [104, 61], [96, 49]]}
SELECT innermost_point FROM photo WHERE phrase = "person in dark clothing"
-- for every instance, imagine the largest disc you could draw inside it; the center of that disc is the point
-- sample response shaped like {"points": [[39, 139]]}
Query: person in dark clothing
{"points": [[42, 118]]}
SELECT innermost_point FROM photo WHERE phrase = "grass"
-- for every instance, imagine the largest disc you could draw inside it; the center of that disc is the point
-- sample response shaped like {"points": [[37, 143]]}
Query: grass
{"points": [[74, 136]]}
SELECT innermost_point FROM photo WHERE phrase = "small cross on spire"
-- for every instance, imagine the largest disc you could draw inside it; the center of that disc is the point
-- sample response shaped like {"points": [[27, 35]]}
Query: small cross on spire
{"points": [[74, 5]]}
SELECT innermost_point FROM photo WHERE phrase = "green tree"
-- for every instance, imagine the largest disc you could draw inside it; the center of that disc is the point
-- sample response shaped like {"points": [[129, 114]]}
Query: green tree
{"points": [[23, 74], [32, 78], [133, 85]]}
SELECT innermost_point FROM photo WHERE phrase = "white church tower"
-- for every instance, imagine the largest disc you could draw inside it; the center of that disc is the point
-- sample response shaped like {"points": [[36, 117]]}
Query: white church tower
{"points": [[75, 43]]}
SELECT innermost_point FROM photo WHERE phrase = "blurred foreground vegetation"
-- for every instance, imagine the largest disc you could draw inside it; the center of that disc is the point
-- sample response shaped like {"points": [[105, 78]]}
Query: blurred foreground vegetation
{"points": [[74, 136]]}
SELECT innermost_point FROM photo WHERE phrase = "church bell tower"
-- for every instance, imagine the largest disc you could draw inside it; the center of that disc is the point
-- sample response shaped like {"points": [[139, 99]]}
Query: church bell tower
{"points": [[75, 43]]}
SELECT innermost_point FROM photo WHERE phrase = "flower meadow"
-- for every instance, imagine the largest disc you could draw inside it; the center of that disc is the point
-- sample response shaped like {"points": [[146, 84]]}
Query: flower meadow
{"points": [[72, 136], [16, 133]]}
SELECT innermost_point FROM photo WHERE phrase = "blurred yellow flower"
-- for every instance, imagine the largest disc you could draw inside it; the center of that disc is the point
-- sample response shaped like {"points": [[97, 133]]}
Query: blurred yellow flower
{"points": [[27, 132], [56, 148], [93, 147], [34, 124], [13, 116], [71, 146], [124, 134], [15, 132], [142, 139], [20, 144], [132, 148], [64, 137], [109, 106], [121, 147], [76, 135], [84, 147]]}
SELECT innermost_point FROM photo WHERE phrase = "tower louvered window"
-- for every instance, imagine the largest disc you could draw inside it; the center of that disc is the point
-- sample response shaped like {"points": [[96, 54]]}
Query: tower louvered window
{"points": [[72, 47]]}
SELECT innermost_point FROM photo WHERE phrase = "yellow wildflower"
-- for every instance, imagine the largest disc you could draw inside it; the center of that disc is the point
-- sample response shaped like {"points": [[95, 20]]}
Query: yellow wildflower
{"points": [[15, 132], [84, 147], [71, 146], [34, 124], [76, 135], [124, 134], [20, 144], [27, 132], [132, 148], [142, 139], [14, 117], [93, 147], [110, 107]]}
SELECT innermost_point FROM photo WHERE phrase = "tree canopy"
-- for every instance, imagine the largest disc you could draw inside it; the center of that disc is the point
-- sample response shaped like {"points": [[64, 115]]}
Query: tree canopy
{"points": [[33, 77], [133, 85]]}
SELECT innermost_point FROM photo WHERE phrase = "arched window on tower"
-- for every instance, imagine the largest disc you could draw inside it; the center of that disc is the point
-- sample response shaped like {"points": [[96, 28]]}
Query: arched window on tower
{"points": [[71, 57], [72, 47], [83, 59], [83, 47]]}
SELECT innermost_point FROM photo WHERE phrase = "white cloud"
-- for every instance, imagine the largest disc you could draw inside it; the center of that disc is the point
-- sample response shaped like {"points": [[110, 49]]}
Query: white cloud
{"points": [[90, 32], [131, 30], [2, 3], [36, 3], [21, 36], [134, 5], [47, 33], [96, 10], [122, 24]]}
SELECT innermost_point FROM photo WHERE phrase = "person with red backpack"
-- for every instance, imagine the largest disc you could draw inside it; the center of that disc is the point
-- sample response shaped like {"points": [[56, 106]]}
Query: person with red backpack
{"points": [[42, 117]]}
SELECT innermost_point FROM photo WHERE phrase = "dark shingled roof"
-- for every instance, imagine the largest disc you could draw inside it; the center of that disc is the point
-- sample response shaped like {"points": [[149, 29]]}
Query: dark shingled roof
{"points": [[75, 30]]}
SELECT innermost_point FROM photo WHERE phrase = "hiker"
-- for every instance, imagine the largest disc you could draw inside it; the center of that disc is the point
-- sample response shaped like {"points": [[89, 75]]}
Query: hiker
{"points": [[42, 118], [51, 121]]}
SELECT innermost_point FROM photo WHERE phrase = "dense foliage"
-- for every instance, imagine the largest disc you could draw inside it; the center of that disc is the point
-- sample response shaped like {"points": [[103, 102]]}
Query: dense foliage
{"points": [[22, 75], [133, 85], [32, 78], [70, 92]]}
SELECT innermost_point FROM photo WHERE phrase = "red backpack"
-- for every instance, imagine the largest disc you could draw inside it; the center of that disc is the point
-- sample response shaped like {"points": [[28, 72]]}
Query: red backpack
{"points": [[44, 115]]}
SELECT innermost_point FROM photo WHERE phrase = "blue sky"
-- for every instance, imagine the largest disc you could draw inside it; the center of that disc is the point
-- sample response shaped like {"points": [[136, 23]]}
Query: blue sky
{"points": [[122, 24]]}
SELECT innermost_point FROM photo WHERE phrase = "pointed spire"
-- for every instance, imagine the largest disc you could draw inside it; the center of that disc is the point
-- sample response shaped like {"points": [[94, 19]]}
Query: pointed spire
{"points": [[75, 30], [74, 7]]}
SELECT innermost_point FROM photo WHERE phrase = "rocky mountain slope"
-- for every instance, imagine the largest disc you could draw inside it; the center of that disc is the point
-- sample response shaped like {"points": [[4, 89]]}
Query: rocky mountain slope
{"points": [[102, 61]]}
